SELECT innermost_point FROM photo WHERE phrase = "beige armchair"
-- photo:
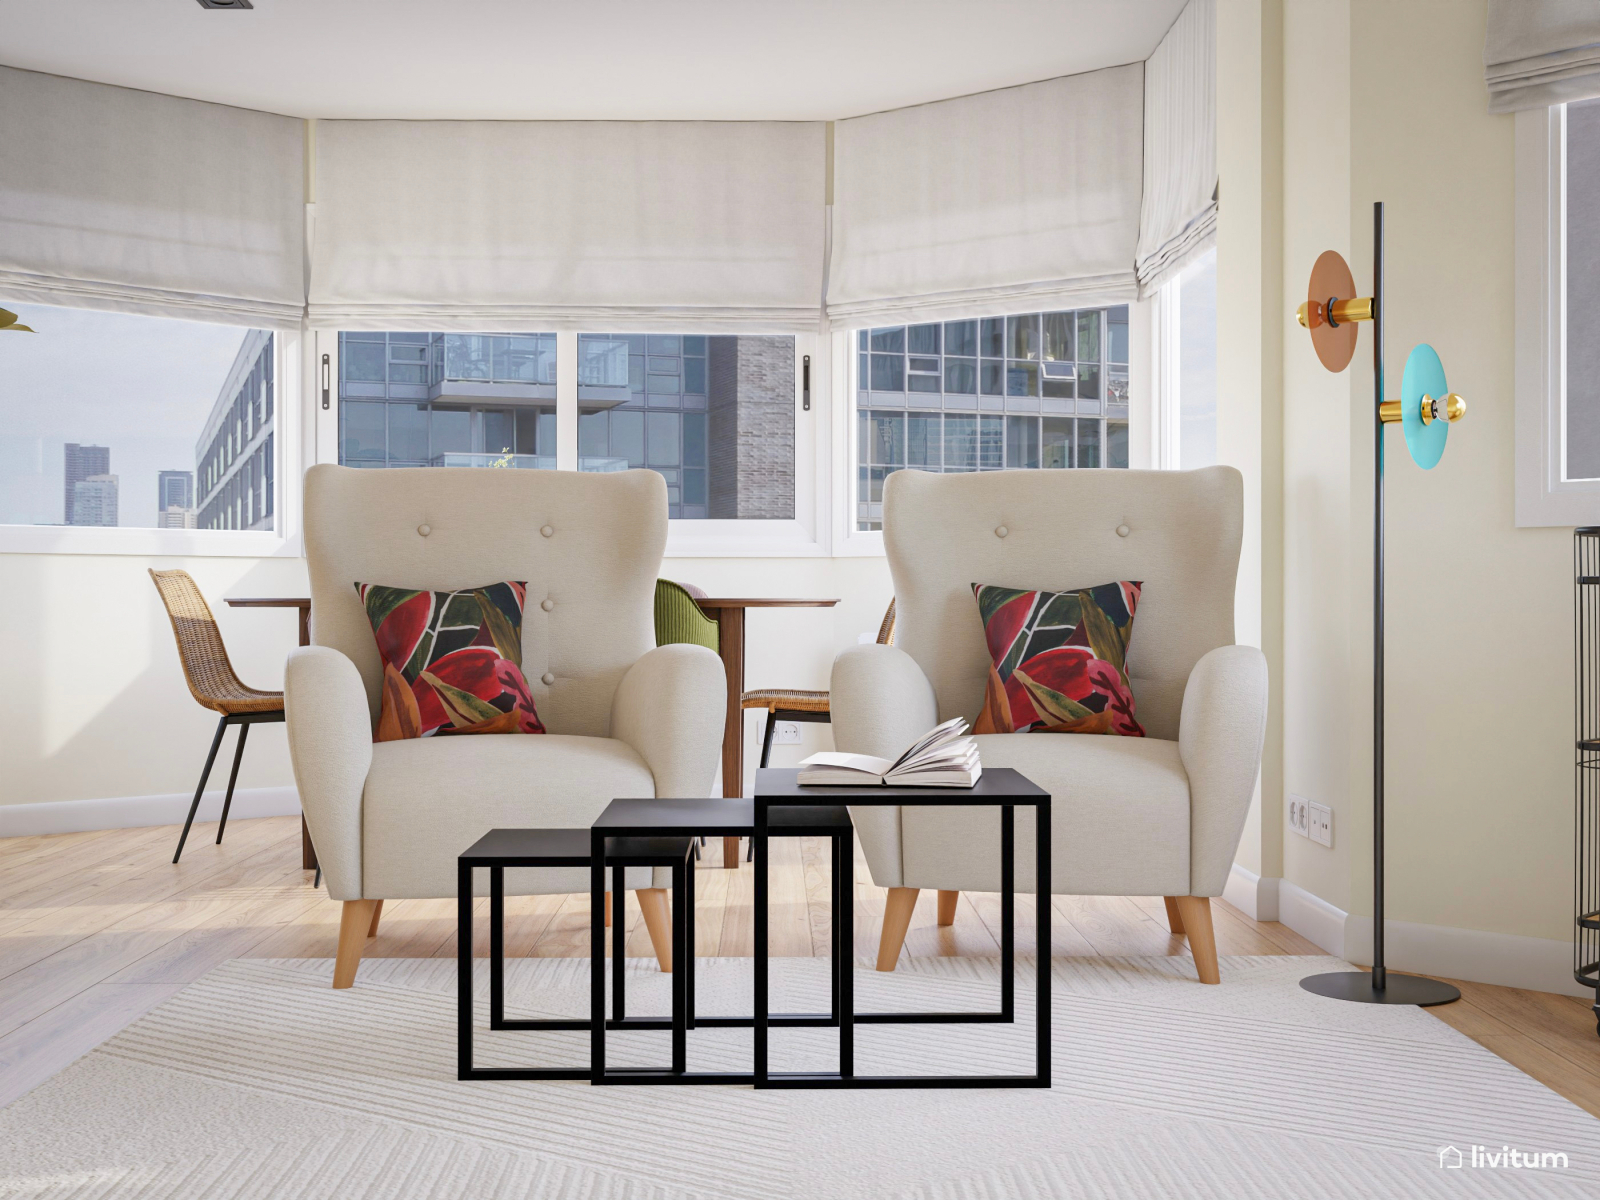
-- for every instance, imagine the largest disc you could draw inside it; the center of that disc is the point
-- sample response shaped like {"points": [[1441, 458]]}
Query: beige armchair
{"points": [[624, 717], [1153, 816]]}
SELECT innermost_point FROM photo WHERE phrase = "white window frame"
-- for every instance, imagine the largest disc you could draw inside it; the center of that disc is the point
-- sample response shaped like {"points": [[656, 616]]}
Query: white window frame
{"points": [[283, 542], [805, 536], [1544, 496]]}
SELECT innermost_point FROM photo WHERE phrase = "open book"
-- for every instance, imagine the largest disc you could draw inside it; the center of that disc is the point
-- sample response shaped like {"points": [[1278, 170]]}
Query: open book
{"points": [[942, 757]]}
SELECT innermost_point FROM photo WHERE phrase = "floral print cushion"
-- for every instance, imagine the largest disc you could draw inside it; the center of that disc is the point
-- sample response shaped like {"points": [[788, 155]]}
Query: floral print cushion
{"points": [[452, 661], [1059, 660]]}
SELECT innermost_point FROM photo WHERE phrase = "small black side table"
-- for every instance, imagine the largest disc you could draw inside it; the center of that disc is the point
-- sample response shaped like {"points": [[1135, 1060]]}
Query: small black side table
{"points": [[731, 818], [1000, 787], [502, 848]]}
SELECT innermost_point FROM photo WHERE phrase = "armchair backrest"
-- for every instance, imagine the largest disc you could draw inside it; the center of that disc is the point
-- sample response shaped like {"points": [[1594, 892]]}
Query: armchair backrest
{"points": [[439, 528], [943, 533]]}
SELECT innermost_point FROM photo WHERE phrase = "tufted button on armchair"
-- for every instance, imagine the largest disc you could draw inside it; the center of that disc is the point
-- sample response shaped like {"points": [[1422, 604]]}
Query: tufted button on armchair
{"points": [[624, 717], [1154, 816]]}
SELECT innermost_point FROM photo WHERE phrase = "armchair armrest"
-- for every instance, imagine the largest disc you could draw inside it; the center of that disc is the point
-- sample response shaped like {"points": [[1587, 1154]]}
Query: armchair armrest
{"points": [[880, 702], [671, 707], [1220, 735], [330, 745]]}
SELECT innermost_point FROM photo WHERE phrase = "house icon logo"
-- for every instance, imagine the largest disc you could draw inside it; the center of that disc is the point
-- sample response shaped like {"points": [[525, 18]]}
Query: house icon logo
{"points": [[1450, 1158]]}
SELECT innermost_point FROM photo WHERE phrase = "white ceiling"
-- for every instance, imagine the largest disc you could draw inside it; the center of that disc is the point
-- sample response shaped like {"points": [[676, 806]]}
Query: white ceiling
{"points": [[578, 59]]}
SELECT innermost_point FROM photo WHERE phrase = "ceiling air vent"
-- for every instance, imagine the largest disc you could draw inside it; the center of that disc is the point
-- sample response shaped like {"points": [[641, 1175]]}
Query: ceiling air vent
{"points": [[224, 4]]}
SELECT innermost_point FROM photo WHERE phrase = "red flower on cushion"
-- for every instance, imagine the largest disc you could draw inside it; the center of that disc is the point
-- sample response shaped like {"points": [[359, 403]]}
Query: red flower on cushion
{"points": [[512, 680], [403, 628], [1057, 688], [1006, 622], [472, 669]]}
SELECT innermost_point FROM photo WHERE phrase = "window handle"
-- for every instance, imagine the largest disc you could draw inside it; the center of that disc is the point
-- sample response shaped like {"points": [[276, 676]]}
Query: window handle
{"points": [[805, 383], [326, 372]]}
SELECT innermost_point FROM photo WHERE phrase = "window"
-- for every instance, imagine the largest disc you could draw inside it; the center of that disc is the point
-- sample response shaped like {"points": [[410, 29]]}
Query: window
{"points": [[112, 420], [1557, 291], [714, 414], [447, 400], [1035, 390]]}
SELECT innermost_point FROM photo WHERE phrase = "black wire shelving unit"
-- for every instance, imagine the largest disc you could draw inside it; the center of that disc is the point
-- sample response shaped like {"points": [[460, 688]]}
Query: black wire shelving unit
{"points": [[1586, 782]]}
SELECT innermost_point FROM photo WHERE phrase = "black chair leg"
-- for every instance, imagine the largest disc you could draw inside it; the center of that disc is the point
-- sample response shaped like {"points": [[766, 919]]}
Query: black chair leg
{"points": [[317, 882], [199, 791], [766, 738], [227, 801]]}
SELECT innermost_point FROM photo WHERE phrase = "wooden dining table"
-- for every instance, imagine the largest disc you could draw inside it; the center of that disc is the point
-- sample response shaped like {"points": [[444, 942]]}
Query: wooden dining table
{"points": [[727, 611], [729, 615]]}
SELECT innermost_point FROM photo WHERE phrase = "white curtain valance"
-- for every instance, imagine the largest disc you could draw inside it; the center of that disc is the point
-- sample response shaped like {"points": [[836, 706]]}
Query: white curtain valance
{"points": [[137, 202], [1541, 52], [1178, 218], [609, 225], [1005, 201]]}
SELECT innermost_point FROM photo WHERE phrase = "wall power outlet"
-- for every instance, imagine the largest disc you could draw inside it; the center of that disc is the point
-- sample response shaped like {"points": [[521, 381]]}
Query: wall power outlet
{"points": [[1321, 824], [786, 733], [1299, 815]]}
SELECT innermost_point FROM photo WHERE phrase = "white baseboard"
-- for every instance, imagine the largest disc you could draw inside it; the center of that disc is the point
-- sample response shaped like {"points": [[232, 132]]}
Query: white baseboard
{"points": [[1510, 960], [1312, 917], [1253, 895], [133, 812]]}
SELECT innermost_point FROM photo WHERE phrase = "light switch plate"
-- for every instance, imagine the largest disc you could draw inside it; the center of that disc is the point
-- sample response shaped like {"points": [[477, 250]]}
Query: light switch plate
{"points": [[1321, 830]]}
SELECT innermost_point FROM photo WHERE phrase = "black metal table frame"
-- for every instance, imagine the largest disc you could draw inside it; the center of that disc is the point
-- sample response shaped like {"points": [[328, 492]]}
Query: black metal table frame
{"points": [[842, 843], [682, 901], [845, 1077]]}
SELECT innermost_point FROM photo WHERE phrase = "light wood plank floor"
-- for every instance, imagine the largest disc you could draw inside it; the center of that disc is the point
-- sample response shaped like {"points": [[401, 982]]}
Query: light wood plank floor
{"points": [[98, 928]]}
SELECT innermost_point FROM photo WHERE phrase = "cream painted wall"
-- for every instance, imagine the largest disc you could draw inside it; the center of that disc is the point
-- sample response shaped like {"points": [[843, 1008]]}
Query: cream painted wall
{"points": [[1386, 101], [96, 705], [1250, 365]]}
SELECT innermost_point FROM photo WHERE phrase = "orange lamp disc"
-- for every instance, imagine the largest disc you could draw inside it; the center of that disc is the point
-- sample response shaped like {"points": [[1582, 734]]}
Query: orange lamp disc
{"points": [[1331, 280]]}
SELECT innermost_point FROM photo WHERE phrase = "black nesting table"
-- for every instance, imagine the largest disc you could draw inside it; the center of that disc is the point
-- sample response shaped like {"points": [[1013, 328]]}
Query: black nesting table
{"points": [[661, 832], [1000, 787]]}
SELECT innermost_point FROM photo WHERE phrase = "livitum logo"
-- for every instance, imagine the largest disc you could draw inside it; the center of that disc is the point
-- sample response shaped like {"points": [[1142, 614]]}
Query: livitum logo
{"points": [[1506, 1157]]}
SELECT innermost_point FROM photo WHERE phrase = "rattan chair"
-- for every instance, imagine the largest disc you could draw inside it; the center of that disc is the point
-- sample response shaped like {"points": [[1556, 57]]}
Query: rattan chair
{"points": [[212, 682], [787, 704]]}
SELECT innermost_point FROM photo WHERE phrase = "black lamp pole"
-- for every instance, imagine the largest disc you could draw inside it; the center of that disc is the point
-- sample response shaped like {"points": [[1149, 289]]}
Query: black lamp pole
{"points": [[1378, 986]]}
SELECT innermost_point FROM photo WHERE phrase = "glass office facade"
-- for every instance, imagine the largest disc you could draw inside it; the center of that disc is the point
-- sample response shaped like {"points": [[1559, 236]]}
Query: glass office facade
{"points": [[1034, 390], [447, 399]]}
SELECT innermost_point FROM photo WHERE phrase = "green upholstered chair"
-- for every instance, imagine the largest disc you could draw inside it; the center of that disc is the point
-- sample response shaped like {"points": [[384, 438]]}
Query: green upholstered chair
{"points": [[680, 619]]}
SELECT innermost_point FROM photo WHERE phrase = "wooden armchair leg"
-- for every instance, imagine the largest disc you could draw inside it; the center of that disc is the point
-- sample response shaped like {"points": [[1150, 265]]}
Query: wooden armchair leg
{"points": [[1195, 912], [377, 911], [947, 907], [354, 922], [658, 920], [896, 920], [1174, 917]]}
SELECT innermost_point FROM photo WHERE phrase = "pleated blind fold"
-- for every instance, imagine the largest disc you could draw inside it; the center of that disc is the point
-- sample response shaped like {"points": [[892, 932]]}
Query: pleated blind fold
{"points": [[137, 202], [609, 225], [1005, 201]]}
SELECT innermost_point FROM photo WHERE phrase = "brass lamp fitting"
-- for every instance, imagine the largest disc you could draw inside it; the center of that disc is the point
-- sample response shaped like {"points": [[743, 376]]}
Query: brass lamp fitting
{"points": [[1450, 408]]}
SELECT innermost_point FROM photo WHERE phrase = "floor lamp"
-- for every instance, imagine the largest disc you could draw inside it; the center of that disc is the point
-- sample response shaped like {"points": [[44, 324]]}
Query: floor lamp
{"points": [[1425, 411]]}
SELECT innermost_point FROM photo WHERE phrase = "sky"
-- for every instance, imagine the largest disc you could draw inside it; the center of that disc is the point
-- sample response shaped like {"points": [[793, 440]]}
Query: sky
{"points": [[143, 386]]}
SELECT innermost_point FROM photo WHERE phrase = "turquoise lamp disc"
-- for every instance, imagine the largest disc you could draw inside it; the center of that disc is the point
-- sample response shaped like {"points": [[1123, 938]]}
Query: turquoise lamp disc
{"points": [[1424, 377]]}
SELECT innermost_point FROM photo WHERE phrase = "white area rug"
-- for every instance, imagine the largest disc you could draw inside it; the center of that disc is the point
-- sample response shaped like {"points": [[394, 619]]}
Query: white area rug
{"points": [[260, 1081]]}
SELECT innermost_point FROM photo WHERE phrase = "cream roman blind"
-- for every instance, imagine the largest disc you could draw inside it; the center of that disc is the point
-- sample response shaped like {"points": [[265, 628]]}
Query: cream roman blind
{"points": [[569, 224], [132, 201], [1541, 52], [1004, 201], [1178, 218]]}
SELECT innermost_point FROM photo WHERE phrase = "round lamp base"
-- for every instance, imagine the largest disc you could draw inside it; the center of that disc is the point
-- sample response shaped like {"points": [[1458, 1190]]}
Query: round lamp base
{"points": [[1399, 989]]}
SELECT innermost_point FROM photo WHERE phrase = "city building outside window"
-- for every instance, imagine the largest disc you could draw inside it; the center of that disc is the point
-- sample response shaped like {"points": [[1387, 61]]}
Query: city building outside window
{"points": [[112, 420], [1035, 390], [713, 414]]}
